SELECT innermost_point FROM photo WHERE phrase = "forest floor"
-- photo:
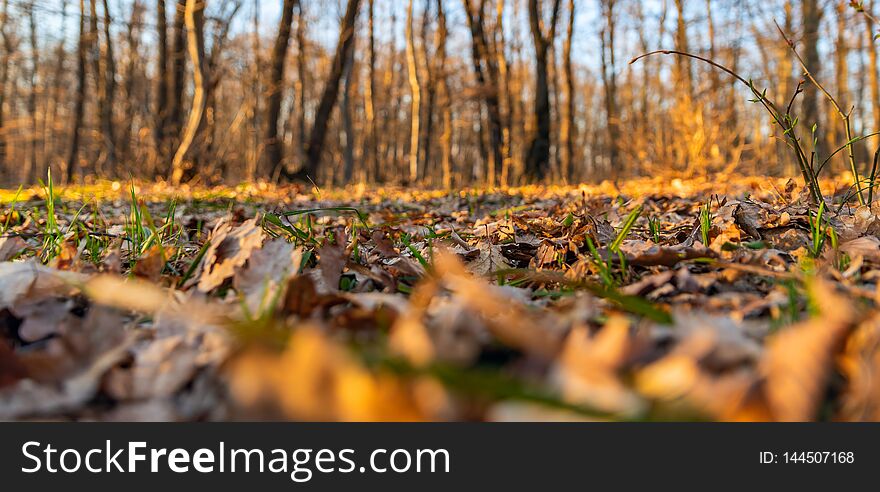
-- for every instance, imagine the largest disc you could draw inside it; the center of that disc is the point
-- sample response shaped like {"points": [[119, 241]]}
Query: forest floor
{"points": [[720, 298]]}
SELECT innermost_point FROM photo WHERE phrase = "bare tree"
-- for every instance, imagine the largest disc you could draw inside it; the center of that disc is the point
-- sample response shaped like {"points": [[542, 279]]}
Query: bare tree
{"points": [[371, 152], [566, 132], [811, 16], [504, 93], [177, 73], [195, 24], [4, 76], [872, 66], [486, 71], [416, 96], [609, 82], [30, 175], [109, 91], [538, 157], [274, 149], [132, 76], [73, 168], [427, 63], [445, 96], [302, 73], [329, 95], [160, 117], [683, 79], [347, 125], [837, 137]]}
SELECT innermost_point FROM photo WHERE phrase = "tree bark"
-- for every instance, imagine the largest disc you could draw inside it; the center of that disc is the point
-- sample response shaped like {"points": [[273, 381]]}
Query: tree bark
{"points": [[176, 82], [160, 117], [810, 103], [430, 97], [73, 168], [505, 97], [416, 96], [195, 21], [683, 79], [445, 97], [302, 129], [4, 77], [609, 82], [873, 67], [538, 156], [274, 151], [487, 78], [568, 111], [109, 79], [329, 96], [31, 169], [347, 124], [841, 73], [133, 38]]}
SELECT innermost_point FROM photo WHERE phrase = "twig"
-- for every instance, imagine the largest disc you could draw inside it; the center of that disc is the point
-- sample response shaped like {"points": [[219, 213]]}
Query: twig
{"points": [[843, 116]]}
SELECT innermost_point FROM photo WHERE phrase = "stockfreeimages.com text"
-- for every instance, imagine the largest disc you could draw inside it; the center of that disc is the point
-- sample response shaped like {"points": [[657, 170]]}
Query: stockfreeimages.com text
{"points": [[300, 464]]}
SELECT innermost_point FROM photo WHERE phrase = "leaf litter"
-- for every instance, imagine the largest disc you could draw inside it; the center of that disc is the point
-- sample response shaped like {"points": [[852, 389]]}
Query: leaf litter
{"points": [[656, 301]]}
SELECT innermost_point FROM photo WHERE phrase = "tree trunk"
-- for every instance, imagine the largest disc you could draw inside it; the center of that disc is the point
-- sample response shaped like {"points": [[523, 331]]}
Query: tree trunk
{"points": [[841, 74], [109, 78], [160, 117], [73, 168], [538, 156], [416, 96], [609, 82], [683, 78], [195, 21], [506, 100], [4, 77], [873, 68], [488, 80], [176, 82], [445, 97], [710, 27], [568, 111], [32, 166], [274, 148], [371, 157], [347, 125], [430, 84], [133, 38], [329, 96], [810, 103], [302, 129]]}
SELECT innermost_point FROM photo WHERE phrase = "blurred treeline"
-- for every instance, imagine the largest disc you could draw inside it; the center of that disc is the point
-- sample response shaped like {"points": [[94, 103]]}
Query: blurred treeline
{"points": [[437, 92]]}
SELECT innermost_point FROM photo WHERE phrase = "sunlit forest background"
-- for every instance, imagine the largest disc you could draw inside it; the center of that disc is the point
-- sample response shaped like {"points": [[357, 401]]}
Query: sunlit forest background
{"points": [[438, 92]]}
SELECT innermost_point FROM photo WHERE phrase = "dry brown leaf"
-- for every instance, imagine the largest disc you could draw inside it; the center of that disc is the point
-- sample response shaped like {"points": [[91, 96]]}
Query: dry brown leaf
{"points": [[316, 379], [32, 280], [331, 263], [159, 369], [78, 361], [859, 362], [263, 280], [10, 247], [150, 265], [587, 367], [799, 359], [230, 249], [490, 260], [867, 247], [140, 296], [11, 369], [507, 320]]}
